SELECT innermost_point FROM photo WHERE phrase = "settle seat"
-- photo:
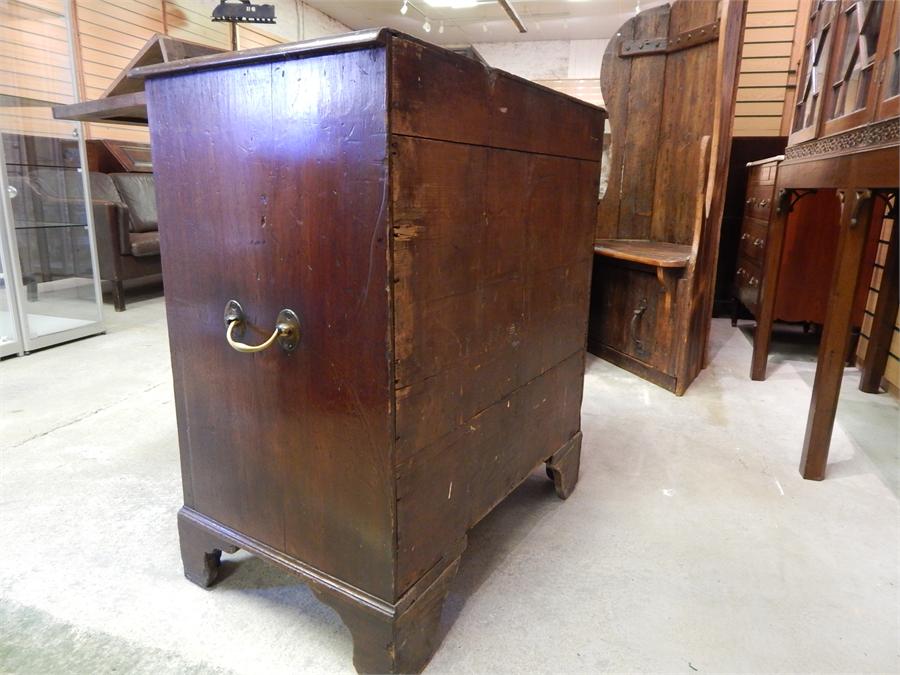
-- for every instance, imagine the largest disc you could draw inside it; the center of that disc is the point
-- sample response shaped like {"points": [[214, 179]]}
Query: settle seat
{"points": [[658, 221], [125, 223]]}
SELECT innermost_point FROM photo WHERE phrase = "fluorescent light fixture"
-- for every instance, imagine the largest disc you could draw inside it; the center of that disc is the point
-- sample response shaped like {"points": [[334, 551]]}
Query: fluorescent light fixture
{"points": [[405, 8], [452, 4]]}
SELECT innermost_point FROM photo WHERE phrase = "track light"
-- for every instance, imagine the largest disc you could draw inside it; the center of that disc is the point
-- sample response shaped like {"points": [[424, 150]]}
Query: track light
{"points": [[427, 25], [441, 27], [405, 8]]}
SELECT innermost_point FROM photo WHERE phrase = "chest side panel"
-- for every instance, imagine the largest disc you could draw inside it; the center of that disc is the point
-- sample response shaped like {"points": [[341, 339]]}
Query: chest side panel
{"points": [[492, 266], [272, 184]]}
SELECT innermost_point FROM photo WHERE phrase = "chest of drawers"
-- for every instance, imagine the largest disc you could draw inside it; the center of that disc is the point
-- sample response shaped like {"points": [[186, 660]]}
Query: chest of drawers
{"points": [[417, 229]]}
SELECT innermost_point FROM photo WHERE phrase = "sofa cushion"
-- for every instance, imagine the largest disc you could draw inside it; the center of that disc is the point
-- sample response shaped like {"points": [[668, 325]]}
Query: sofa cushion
{"points": [[66, 184], [139, 194], [144, 243]]}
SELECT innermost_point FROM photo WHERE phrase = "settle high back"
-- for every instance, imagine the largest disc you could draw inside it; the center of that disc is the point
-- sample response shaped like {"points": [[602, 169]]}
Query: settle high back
{"points": [[669, 80]]}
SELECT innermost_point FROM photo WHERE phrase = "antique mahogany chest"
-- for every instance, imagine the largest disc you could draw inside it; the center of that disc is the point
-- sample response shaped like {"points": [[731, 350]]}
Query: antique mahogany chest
{"points": [[416, 229]]}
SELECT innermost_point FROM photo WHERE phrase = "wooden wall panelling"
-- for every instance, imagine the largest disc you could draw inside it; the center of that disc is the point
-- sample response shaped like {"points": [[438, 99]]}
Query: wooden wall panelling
{"points": [[109, 35], [767, 67], [35, 64], [189, 20]]}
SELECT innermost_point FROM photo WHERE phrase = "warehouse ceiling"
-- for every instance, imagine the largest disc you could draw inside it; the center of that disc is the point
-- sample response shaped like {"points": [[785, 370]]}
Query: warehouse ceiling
{"points": [[472, 21]]}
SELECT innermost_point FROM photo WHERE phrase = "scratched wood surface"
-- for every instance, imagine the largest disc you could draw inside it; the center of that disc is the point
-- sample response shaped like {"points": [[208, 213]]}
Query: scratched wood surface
{"points": [[247, 211], [670, 115], [430, 220]]}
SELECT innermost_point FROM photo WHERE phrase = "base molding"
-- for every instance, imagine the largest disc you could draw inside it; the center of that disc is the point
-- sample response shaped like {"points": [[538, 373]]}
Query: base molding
{"points": [[398, 637], [633, 365]]}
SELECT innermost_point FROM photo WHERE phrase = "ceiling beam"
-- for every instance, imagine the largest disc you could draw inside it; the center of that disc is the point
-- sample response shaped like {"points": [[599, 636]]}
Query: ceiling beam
{"points": [[513, 14]]}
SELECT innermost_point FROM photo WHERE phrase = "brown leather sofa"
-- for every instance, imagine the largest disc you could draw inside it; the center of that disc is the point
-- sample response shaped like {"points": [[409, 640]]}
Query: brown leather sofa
{"points": [[125, 222]]}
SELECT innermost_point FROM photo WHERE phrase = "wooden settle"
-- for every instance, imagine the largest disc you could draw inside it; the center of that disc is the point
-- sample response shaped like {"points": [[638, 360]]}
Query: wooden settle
{"points": [[429, 221], [845, 137], [669, 79]]}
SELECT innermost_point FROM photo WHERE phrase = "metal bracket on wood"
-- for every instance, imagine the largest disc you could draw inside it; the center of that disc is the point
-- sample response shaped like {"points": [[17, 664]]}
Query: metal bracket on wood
{"points": [[695, 36], [643, 47], [663, 45], [788, 197]]}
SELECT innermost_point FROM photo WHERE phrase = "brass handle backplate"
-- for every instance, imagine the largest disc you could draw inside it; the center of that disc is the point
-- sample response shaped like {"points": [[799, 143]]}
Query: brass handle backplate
{"points": [[287, 329]]}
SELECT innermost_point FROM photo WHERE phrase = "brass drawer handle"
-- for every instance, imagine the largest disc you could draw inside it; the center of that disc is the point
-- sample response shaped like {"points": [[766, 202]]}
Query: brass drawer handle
{"points": [[749, 201], [763, 203], [758, 243], [287, 330]]}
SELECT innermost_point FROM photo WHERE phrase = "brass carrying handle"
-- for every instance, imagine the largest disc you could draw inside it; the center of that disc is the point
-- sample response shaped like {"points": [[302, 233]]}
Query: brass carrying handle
{"points": [[287, 330]]}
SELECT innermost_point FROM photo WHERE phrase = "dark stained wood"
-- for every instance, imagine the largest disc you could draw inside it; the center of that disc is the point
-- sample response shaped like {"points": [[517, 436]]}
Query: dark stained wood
{"points": [[858, 162], [835, 333], [321, 416], [464, 101], [884, 319], [440, 273], [653, 253], [563, 467], [662, 189]]}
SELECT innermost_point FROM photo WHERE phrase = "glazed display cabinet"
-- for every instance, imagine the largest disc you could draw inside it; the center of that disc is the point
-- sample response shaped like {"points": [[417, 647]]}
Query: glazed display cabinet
{"points": [[49, 288]]}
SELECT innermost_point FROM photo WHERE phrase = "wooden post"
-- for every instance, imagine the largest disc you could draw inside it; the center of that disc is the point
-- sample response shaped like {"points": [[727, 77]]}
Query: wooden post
{"points": [[856, 212]]}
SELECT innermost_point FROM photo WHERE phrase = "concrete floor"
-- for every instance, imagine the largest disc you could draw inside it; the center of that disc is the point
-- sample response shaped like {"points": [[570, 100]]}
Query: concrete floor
{"points": [[690, 545]]}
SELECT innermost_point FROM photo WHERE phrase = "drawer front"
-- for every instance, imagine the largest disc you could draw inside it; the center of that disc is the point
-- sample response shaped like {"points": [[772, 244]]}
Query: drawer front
{"points": [[763, 174], [758, 203], [747, 280], [753, 240]]}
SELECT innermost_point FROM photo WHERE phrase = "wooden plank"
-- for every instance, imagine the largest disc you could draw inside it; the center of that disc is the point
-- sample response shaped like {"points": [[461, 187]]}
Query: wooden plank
{"points": [[759, 109], [645, 89], [766, 65], [101, 46], [513, 298], [653, 253], [125, 12], [127, 23], [769, 20], [453, 483], [765, 50], [782, 34], [688, 72], [778, 79], [463, 102]]}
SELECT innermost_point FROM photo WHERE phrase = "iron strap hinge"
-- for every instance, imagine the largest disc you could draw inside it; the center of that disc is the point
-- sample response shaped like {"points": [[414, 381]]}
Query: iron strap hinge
{"points": [[663, 45]]}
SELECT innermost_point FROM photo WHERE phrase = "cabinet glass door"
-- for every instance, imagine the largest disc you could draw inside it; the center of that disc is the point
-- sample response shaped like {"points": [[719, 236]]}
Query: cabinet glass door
{"points": [[853, 82], [814, 70], [889, 94], [49, 259], [10, 342]]}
